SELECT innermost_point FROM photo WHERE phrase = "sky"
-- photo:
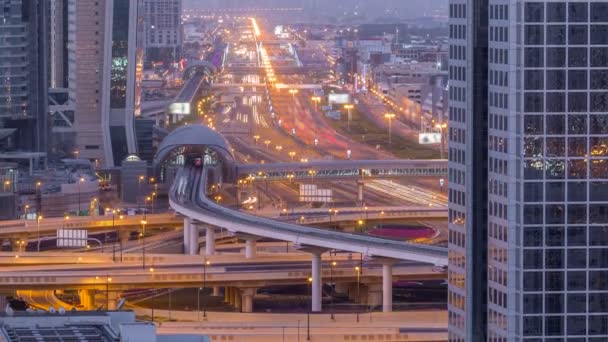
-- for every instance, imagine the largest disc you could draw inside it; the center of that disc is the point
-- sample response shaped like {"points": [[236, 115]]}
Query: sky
{"points": [[403, 8]]}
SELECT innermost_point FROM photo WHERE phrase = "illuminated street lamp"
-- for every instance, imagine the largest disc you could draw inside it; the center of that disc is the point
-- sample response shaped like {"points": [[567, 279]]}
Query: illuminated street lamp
{"points": [[349, 107], [279, 148], [292, 154], [205, 264], [27, 207], [293, 92], [38, 219], [267, 143], [143, 242], [256, 138], [316, 100], [7, 184], [390, 117], [333, 286]]}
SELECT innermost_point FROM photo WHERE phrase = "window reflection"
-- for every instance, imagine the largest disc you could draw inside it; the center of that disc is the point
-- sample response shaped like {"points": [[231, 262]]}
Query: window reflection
{"points": [[556, 147], [577, 124], [598, 146], [577, 147], [556, 124], [555, 169], [598, 169], [533, 147], [533, 169], [577, 169]]}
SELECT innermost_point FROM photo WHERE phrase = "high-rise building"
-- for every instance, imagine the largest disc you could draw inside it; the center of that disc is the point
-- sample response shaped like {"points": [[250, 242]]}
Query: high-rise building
{"points": [[528, 170], [23, 75], [163, 30], [105, 48]]}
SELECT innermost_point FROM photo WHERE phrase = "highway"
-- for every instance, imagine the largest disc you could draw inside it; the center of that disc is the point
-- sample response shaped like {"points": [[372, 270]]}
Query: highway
{"points": [[188, 197]]}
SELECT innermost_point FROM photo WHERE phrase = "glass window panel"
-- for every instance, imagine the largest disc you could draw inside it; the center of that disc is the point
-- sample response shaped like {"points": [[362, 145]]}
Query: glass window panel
{"points": [[577, 102], [534, 79], [554, 325], [577, 124], [556, 35], [598, 258], [599, 12], [556, 57], [576, 325], [577, 57], [598, 236], [534, 57], [533, 326], [533, 147], [598, 325], [554, 303], [577, 258], [534, 12], [555, 169], [598, 191], [598, 280], [599, 124], [577, 147], [533, 102], [598, 213], [577, 302], [577, 236], [598, 169], [577, 79], [533, 169], [533, 303], [577, 34], [554, 214], [598, 146], [533, 236], [533, 124], [599, 79], [577, 169], [599, 57], [577, 281], [555, 191], [554, 281], [556, 124], [533, 192], [533, 35], [533, 259], [577, 213], [599, 101], [533, 214], [556, 12], [577, 191], [556, 102], [556, 147], [577, 12], [554, 258], [556, 79], [599, 34], [555, 236], [598, 302]]}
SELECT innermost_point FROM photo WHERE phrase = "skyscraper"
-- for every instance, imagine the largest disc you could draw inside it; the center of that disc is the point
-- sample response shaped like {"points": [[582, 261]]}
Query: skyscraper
{"points": [[23, 74], [105, 71], [528, 170], [163, 30]]}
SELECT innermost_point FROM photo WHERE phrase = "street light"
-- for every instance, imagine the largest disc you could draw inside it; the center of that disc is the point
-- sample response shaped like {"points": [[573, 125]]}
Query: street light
{"points": [[293, 92], [349, 107], [143, 242], [292, 154], [390, 117], [80, 181], [316, 100], [331, 276], [205, 264], [108, 281], [309, 308], [38, 219], [27, 207], [267, 143], [256, 138]]}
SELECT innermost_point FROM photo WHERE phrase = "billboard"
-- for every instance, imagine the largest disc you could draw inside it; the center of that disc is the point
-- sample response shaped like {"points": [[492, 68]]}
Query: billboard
{"points": [[429, 138], [71, 238], [310, 193], [338, 98], [179, 108]]}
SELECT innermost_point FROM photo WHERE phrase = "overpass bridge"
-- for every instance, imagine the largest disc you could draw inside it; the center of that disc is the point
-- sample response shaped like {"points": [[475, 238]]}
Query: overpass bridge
{"points": [[343, 169]]}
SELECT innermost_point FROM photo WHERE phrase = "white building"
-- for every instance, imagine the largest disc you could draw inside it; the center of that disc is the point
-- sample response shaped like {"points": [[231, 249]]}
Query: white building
{"points": [[528, 171]]}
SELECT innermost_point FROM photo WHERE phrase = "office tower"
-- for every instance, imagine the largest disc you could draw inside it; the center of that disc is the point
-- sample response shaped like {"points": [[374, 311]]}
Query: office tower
{"points": [[58, 44], [163, 30], [528, 196], [23, 75], [105, 71]]}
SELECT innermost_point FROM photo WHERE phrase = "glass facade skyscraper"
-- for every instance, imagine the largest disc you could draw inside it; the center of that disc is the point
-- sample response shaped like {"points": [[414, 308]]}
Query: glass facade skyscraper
{"points": [[544, 230]]}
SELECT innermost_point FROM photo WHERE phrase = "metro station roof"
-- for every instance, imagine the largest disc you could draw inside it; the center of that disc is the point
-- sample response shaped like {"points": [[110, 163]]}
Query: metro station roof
{"points": [[193, 136]]}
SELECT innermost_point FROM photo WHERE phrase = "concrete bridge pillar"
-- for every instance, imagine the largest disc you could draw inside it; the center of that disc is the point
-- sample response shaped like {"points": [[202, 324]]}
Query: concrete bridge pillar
{"points": [[112, 300], [123, 237], [194, 234], [228, 295], [216, 291], [387, 283], [247, 295], [316, 284], [87, 299], [210, 241], [360, 188], [187, 225]]}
